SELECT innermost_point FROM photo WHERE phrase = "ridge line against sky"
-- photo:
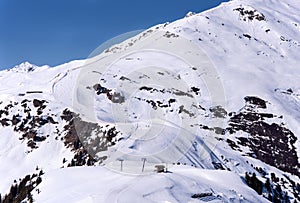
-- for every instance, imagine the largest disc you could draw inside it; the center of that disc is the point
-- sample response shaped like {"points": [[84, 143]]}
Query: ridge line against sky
{"points": [[55, 32]]}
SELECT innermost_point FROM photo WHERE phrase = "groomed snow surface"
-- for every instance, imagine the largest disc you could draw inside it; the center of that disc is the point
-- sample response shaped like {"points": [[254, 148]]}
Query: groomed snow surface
{"points": [[99, 184], [251, 56]]}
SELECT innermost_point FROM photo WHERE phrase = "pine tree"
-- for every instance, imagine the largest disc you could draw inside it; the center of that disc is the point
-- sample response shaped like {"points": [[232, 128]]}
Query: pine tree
{"points": [[247, 177], [270, 197], [268, 185], [14, 190], [259, 186], [38, 180], [29, 197], [286, 198], [256, 184]]}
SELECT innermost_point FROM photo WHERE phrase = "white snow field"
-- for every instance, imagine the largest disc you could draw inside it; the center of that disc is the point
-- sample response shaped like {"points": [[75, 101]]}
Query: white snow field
{"points": [[97, 184], [211, 96]]}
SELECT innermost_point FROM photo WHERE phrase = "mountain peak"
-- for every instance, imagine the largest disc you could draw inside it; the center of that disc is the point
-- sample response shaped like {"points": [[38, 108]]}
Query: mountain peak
{"points": [[24, 67], [212, 101]]}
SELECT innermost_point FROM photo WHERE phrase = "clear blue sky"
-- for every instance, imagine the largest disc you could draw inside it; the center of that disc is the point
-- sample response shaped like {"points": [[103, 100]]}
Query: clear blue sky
{"points": [[54, 32]]}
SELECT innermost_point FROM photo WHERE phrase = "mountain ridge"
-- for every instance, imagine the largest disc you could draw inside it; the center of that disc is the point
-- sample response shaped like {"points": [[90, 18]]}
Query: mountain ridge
{"points": [[253, 47]]}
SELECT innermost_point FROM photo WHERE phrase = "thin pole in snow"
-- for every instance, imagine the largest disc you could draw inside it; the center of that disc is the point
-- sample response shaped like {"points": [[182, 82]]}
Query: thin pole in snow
{"points": [[121, 161], [144, 160]]}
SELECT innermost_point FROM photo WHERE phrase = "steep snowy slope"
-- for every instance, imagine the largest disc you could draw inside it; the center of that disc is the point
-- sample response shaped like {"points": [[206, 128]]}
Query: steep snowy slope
{"points": [[217, 92]]}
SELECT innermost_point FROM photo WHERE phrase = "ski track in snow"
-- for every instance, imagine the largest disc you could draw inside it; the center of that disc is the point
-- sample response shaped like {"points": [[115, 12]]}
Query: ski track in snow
{"points": [[251, 58]]}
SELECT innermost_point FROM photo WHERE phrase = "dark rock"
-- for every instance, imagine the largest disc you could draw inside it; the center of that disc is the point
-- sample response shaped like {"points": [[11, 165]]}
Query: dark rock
{"points": [[270, 143], [15, 120], [38, 103], [39, 138], [247, 36], [99, 89], [200, 195], [4, 122], [196, 90], [260, 103], [218, 112]]}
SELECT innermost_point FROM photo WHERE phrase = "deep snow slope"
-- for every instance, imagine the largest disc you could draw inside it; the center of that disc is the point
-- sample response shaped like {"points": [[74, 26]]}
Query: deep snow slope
{"points": [[213, 97]]}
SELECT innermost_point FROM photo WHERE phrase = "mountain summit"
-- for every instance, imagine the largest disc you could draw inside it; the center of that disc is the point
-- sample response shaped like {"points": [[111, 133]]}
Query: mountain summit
{"points": [[24, 67], [204, 109]]}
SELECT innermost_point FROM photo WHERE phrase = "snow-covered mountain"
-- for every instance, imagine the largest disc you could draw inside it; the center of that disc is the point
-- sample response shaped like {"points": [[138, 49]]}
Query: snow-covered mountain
{"points": [[204, 109]]}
